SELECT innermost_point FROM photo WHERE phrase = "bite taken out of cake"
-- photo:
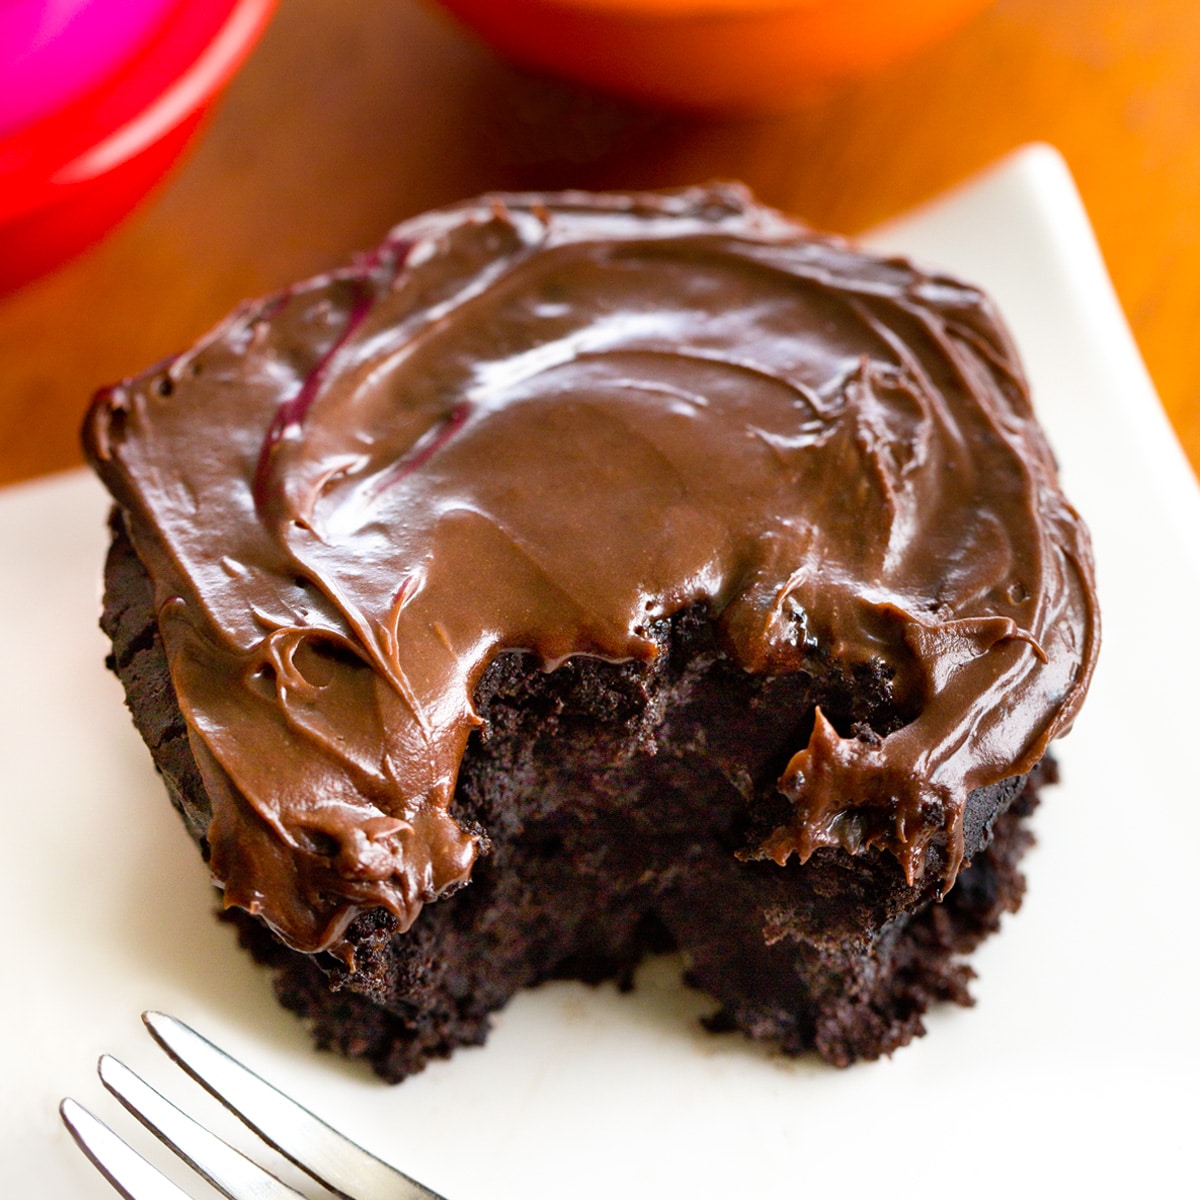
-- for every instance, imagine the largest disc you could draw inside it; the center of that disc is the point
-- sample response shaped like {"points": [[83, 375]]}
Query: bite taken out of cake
{"points": [[577, 577]]}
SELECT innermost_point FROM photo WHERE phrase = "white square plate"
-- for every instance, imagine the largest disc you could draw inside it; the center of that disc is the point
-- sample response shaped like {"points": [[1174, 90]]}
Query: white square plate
{"points": [[1076, 1070]]}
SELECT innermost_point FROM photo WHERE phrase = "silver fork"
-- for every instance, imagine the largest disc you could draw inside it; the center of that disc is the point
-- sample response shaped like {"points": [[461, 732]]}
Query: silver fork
{"points": [[328, 1156]]}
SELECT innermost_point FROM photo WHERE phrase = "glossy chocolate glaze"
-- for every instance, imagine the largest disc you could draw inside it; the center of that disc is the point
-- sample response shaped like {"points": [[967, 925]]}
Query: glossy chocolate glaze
{"points": [[541, 424]]}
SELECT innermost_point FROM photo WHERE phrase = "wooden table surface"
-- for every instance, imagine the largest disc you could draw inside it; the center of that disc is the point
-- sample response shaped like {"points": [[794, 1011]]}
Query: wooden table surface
{"points": [[351, 116]]}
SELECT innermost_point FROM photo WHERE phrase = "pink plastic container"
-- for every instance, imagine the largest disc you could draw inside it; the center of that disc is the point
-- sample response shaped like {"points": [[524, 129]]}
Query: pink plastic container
{"points": [[69, 175], [54, 51]]}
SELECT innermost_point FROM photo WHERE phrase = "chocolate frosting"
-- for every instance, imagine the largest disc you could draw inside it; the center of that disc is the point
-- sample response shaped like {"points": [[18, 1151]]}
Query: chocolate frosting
{"points": [[541, 424]]}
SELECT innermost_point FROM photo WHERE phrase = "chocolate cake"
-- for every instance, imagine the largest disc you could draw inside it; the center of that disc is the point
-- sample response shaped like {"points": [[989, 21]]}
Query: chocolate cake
{"points": [[578, 577]]}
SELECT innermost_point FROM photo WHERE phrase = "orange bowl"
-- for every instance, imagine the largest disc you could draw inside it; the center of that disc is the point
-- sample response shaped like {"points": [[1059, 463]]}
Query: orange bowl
{"points": [[718, 55]]}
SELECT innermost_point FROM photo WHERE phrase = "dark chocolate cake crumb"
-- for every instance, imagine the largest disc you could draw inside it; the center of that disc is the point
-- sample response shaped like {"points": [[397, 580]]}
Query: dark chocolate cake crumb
{"points": [[625, 790]]}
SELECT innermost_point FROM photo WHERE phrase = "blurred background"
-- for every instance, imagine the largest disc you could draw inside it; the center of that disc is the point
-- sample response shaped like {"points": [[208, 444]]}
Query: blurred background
{"points": [[347, 117]]}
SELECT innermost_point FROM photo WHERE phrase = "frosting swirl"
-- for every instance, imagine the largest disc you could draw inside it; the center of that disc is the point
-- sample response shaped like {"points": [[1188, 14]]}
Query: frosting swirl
{"points": [[542, 424]]}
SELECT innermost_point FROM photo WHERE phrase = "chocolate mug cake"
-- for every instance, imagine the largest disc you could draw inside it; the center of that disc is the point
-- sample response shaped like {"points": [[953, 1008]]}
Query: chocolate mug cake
{"points": [[581, 576]]}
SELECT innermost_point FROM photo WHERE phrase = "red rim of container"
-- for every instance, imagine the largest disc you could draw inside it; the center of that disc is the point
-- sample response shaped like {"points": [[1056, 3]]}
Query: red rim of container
{"points": [[177, 73]]}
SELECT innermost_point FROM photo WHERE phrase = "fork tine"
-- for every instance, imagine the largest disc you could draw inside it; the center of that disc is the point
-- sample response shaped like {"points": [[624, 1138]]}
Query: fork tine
{"points": [[227, 1169], [122, 1166], [327, 1155]]}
